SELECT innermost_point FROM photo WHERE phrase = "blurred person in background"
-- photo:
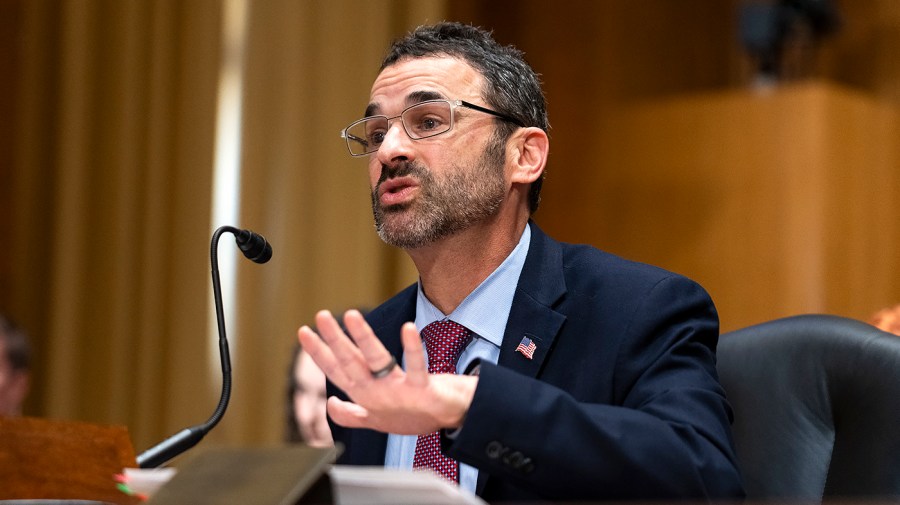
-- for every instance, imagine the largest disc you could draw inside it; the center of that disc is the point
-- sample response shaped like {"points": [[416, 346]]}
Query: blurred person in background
{"points": [[306, 418], [887, 319], [15, 361]]}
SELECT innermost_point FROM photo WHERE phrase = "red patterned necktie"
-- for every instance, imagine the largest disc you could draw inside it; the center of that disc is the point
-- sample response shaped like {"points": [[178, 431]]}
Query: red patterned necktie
{"points": [[444, 342]]}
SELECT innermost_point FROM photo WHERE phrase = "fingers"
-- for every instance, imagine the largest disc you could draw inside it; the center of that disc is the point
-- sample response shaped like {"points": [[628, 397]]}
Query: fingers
{"points": [[321, 354], [372, 349], [348, 355], [347, 414], [349, 362], [414, 355]]}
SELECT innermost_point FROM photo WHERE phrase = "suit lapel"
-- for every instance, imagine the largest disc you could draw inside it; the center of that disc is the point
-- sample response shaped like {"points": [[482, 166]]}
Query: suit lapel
{"points": [[541, 286], [533, 321]]}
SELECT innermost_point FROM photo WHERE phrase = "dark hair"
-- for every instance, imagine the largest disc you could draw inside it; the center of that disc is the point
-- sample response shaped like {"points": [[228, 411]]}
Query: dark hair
{"points": [[513, 87], [18, 351]]}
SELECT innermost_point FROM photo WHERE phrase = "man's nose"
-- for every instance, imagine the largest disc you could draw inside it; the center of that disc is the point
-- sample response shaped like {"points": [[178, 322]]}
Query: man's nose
{"points": [[396, 144]]}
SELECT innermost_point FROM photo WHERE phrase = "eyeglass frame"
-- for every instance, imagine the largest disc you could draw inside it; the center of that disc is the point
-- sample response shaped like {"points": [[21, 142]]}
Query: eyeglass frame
{"points": [[453, 105]]}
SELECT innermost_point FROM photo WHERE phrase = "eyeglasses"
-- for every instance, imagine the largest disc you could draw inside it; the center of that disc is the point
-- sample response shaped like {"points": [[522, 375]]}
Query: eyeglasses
{"points": [[422, 120]]}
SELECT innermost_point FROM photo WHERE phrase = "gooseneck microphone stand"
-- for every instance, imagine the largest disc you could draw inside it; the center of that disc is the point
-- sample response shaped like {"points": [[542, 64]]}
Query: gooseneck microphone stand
{"points": [[257, 249]]}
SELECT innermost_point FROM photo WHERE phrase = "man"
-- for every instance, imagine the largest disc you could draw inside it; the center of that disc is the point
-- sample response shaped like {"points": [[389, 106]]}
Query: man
{"points": [[14, 368], [582, 376]]}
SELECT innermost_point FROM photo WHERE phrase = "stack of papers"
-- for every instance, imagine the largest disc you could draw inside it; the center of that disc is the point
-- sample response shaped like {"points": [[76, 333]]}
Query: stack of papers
{"points": [[352, 485], [359, 485], [145, 482]]}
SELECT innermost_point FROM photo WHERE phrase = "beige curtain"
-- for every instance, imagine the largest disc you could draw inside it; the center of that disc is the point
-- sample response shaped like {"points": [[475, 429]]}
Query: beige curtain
{"points": [[110, 215], [308, 69], [114, 149]]}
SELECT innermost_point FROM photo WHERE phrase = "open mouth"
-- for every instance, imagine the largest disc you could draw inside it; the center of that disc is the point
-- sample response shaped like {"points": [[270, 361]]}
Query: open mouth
{"points": [[397, 191]]}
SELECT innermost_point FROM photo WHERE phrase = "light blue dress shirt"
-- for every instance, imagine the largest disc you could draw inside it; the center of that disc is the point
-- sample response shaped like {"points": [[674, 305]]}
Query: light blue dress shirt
{"points": [[485, 312]]}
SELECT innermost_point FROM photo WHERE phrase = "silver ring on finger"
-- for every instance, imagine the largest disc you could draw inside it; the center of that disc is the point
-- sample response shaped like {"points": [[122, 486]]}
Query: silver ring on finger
{"points": [[384, 372]]}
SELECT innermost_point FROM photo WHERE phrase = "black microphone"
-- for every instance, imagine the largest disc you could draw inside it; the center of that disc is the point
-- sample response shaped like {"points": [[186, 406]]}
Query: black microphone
{"points": [[254, 246], [257, 249]]}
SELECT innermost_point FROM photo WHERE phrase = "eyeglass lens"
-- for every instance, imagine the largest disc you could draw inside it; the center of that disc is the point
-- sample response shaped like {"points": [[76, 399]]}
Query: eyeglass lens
{"points": [[420, 121]]}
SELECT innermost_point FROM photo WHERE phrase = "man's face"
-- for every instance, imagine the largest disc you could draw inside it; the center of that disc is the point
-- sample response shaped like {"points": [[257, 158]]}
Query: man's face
{"points": [[425, 190]]}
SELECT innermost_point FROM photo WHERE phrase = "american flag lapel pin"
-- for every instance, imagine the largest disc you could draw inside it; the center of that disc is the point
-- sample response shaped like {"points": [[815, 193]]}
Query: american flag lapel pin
{"points": [[527, 347]]}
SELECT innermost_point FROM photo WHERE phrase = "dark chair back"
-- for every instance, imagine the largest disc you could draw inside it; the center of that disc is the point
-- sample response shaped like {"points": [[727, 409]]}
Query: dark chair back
{"points": [[816, 400]]}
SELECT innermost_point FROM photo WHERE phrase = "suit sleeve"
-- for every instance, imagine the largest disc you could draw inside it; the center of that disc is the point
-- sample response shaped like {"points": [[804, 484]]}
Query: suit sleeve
{"points": [[664, 433]]}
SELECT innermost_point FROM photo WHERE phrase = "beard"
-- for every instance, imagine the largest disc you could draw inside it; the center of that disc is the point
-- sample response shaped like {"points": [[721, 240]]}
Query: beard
{"points": [[446, 204]]}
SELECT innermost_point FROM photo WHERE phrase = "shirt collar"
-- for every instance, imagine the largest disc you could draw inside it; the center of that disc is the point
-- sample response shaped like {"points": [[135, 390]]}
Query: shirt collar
{"points": [[485, 310]]}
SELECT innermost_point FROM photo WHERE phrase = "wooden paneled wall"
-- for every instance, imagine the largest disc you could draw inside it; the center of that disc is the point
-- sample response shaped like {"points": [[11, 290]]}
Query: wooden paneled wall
{"points": [[638, 160]]}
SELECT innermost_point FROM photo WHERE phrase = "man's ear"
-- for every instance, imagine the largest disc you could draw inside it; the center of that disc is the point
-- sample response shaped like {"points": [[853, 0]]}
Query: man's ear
{"points": [[529, 157]]}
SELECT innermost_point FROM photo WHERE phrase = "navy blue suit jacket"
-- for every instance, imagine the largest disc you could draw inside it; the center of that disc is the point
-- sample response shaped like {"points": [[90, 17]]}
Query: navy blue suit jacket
{"points": [[620, 401]]}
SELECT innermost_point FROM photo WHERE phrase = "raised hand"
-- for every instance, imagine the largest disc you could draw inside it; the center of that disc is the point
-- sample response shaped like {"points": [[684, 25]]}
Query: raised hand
{"points": [[384, 397]]}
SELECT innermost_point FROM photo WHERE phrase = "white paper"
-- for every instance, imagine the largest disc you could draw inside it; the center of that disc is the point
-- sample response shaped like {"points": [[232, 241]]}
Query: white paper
{"points": [[147, 481], [375, 485]]}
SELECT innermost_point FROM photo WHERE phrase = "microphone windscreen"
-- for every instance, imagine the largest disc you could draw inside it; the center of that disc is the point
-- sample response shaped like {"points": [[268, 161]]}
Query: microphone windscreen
{"points": [[254, 246]]}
